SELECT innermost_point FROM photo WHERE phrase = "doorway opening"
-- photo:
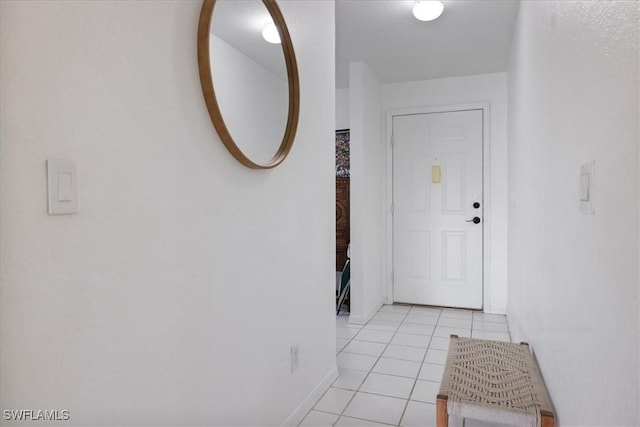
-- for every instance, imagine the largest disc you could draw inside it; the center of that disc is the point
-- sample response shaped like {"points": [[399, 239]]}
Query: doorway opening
{"points": [[343, 220], [437, 177]]}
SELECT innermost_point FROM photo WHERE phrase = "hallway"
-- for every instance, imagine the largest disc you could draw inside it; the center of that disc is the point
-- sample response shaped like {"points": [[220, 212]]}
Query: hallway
{"points": [[138, 309], [390, 369]]}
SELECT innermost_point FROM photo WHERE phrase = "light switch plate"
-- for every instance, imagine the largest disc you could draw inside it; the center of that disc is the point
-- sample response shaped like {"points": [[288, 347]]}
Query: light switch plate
{"points": [[62, 187], [586, 187]]}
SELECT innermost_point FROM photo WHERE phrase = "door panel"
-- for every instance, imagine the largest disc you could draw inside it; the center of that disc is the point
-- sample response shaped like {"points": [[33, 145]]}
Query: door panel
{"points": [[437, 176], [453, 188]]}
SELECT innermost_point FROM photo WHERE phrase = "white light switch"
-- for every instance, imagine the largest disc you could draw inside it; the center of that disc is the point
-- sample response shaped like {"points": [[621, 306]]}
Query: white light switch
{"points": [[62, 187], [586, 188], [65, 187]]}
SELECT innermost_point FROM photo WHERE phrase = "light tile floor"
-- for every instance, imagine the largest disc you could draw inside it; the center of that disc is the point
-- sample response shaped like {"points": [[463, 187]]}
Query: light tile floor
{"points": [[390, 369]]}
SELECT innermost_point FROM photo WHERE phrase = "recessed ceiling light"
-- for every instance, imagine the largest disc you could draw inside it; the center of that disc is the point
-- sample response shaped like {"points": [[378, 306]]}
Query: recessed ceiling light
{"points": [[428, 10], [270, 33]]}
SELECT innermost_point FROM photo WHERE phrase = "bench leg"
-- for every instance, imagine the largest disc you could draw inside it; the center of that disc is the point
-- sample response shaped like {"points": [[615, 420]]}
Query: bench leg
{"points": [[441, 411], [547, 419]]}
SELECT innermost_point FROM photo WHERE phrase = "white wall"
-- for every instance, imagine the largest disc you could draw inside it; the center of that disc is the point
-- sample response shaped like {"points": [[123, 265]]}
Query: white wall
{"points": [[491, 88], [173, 296], [573, 278], [367, 193], [254, 101], [342, 109]]}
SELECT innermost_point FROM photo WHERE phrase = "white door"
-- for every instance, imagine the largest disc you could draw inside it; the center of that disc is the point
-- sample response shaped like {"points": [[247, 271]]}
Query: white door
{"points": [[437, 193]]}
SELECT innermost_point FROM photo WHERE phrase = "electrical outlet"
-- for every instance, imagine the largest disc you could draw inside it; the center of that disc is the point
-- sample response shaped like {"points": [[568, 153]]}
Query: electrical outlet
{"points": [[293, 358]]}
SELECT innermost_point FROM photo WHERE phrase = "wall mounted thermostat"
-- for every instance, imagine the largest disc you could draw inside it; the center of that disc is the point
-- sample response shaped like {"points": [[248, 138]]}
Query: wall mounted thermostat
{"points": [[62, 187], [586, 187]]}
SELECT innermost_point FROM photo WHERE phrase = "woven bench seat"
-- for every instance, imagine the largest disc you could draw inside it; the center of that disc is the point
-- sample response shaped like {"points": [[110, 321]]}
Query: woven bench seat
{"points": [[492, 381]]}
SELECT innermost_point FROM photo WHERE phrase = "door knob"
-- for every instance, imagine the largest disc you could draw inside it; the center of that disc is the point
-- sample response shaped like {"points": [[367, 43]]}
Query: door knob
{"points": [[475, 220]]}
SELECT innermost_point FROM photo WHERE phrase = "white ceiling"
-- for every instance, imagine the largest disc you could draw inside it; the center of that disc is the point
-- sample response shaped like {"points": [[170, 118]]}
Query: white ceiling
{"points": [[471, 37]]}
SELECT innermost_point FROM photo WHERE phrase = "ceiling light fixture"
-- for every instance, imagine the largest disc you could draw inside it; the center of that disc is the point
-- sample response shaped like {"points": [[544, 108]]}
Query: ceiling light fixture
{"points": [[270, 33], [428, 10]]}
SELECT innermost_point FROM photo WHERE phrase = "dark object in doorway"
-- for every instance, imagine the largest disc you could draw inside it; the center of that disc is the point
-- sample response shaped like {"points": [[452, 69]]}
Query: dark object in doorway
{"points": [[343, 168], [342, 221], [345, 282]]}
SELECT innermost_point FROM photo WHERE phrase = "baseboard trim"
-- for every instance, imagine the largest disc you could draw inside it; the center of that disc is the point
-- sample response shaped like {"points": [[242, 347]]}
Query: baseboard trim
{"points": [[361, 320], [495, 310], [517, 335], [305, 406]]}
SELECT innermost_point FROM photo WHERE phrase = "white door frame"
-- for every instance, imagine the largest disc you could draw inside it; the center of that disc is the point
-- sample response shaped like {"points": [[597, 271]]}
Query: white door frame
{"points": [[486, 191]]}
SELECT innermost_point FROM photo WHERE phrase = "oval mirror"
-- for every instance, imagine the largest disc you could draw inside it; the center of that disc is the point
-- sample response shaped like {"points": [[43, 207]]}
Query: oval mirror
{"points": [[250, 86]]}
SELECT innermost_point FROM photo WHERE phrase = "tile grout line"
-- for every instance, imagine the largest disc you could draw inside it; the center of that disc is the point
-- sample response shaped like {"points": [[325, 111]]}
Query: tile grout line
{"points": [[415, 381], [329, 388], [373, 366], [395, 332]]}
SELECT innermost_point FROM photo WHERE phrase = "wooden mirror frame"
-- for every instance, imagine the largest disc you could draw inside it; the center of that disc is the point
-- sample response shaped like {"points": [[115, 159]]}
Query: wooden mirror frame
{"points": [[206, 79]]}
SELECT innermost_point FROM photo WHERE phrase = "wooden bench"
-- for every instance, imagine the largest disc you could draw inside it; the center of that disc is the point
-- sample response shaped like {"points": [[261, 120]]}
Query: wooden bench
{"points": [[492, 381]]}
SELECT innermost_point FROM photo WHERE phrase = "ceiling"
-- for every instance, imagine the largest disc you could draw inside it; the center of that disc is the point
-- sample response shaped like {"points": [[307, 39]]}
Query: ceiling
{"points": [[471, 37]]}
